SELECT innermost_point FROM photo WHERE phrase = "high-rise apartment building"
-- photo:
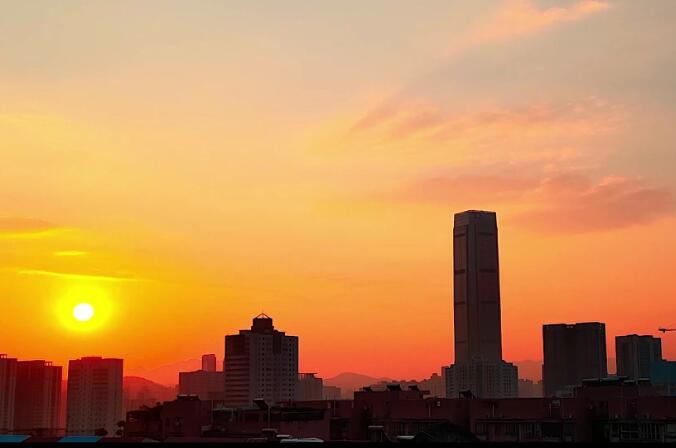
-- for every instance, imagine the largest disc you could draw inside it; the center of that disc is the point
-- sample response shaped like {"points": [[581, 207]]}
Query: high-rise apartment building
{"points": [[572, 353], [7, 393], [634, 354], [95, 400], [260, 363], [478, 366], [38, 397], [209, 362]]}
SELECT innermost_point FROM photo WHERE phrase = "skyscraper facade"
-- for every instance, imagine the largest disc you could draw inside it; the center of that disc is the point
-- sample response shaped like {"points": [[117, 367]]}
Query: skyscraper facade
{"points": [[95, 400], [476, 288], [261, 362], [7, 392], [478, 366], [38, 397], [635, 353], [573, 353]]}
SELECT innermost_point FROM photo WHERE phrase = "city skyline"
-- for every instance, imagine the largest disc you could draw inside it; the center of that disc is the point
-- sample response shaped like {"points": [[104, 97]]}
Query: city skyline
{"points": [[493, 260], [261, 376], [182, 166]]}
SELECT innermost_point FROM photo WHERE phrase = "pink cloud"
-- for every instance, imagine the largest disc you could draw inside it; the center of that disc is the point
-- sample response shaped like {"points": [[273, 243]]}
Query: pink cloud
{"points": [[564, 202], [575, 204], [408, 120], [520, 17]]}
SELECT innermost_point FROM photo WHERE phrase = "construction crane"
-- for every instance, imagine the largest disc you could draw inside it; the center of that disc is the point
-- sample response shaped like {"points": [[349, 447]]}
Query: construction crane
{"points": [[664, 330]]}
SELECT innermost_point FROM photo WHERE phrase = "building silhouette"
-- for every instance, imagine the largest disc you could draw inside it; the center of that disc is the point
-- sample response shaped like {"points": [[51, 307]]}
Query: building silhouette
{"points": [[94, 400], [209, 362], [663, 376], [478, 366], [435, 384], [529, 388], [572, 353], [331, 393], [260, 363], [607, 410], [309, 387], [634, 354], [207, 383], [7, 392], [38, 397]]}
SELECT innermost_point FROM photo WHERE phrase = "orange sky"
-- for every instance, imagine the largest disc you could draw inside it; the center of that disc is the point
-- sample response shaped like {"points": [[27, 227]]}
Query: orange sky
{"points": [[185, 165]]}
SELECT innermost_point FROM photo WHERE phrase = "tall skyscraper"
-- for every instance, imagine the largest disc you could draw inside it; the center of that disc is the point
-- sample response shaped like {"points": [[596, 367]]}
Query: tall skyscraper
{"points": [[261, 362], [634, 355], [7, 392], [476, 286], [573, 353], [94, 396], [478, 366], [38, 397], [209, 362]]}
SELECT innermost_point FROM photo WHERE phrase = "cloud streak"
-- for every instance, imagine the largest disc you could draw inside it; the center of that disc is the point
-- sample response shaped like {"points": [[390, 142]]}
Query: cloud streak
{"points": [[12, 227], [518, 18], [566, 202], [555, 131], [80, 276], [418, 119], [70, 253], [573, 204]]}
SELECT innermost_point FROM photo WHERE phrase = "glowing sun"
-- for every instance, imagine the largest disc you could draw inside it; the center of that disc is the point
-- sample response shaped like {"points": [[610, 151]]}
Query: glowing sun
{"points": [[83, 312]]}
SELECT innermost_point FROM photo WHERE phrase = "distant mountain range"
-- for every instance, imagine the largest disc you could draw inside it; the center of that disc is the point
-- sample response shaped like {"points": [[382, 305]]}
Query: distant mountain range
{"points": [[353, 381], [350, 381], [167, 375], [135, 386], [139, 391]]}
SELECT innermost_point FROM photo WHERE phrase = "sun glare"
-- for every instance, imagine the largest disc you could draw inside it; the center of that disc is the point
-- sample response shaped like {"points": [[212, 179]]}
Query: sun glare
{"points": [[84, 307], [83, 312]]}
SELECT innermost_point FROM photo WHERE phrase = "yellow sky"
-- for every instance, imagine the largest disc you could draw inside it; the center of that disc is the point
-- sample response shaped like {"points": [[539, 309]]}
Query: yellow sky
{"points": [[185, 165]]}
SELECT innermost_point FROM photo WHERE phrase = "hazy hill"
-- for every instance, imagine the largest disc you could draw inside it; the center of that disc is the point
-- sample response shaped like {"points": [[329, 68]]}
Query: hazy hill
{"points": [[139, 391], [350, 381], [167, 374]]}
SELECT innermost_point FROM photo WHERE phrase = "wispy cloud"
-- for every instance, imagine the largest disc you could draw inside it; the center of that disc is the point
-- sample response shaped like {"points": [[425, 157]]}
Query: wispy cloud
{"points": [[557, 130], [13, 227], [420, 119], [572, 203], [565, 202], [521, 17], [81, 276], [70, 253]]}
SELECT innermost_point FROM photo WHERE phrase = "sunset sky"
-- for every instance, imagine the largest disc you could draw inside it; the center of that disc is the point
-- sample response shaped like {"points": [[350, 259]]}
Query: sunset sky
{"points": [[185, 165]]}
